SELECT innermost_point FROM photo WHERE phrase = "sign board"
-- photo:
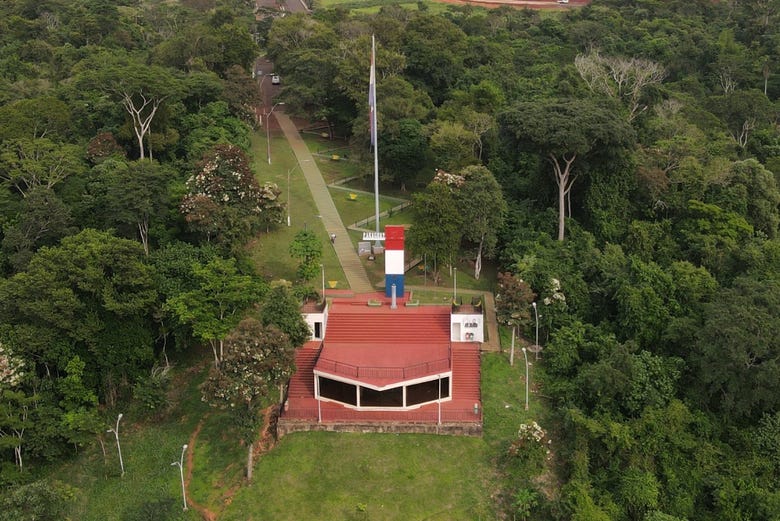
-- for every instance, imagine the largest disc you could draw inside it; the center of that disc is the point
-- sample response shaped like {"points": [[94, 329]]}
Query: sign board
{"points": [[364, 248], [373, 236]]}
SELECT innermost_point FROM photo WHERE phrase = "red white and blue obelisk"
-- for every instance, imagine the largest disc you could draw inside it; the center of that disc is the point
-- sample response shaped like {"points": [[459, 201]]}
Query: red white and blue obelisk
{"points": [[394, 260]]}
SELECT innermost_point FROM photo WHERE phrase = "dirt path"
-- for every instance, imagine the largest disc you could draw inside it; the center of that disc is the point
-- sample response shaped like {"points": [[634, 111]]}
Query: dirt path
{"points": [[264, 444]]}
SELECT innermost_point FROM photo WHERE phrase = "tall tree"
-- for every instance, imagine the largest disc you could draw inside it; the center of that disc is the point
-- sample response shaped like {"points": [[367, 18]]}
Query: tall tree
{"points": [[737, 350], [225, 201], [258, 360], [218, 303], [621, 78], [281, 309], [484, 209], [563, 131], [438, 222], [90, 296]]}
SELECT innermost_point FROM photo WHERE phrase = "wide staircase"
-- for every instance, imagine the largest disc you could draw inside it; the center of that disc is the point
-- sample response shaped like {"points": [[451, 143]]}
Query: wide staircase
{"points": [[398, 326], [466, 372], [302, 382]]}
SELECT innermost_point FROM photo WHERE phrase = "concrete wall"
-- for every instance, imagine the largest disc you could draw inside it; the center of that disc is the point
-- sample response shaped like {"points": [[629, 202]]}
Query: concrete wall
{"points": [[285, 427]]}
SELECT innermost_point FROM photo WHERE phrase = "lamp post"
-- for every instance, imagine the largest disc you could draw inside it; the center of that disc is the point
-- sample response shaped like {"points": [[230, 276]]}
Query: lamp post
{"points": [[525, 356], [268, 129], [322, 268], [115, 430], [455, 286], [536, 344], [180, 464]]}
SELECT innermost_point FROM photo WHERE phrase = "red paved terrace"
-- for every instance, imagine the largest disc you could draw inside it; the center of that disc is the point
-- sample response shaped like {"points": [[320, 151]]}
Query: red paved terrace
{"points": [[380, 368]]}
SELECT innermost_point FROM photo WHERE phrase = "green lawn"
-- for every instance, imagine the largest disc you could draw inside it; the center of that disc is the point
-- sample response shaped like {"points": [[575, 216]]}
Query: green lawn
{"points": [[270, 251], [320, 475], [306, 476]]}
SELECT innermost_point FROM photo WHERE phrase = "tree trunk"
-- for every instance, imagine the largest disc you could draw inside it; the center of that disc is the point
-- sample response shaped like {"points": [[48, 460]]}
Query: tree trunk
{"points": [[143, 231], [249, 461], [216, 354], [18, 454], [564, 181], [478, 261]]}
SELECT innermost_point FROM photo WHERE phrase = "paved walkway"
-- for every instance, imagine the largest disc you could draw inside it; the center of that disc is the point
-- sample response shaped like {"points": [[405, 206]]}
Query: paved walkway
{"points": [[348, 257], [357, 279]]}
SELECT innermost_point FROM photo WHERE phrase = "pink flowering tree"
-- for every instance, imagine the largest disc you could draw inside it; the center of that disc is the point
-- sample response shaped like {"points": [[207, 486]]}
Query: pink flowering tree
{"points": [[225, 203]]}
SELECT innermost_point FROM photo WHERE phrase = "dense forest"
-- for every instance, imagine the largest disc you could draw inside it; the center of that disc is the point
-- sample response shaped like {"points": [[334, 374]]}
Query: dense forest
{"points": [[636, 145]]}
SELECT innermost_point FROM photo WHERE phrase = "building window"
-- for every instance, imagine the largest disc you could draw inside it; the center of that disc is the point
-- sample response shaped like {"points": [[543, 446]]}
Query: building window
{"points": [[338, 391], [416, 394], [318, 330], [389, 398], [427, 391]]}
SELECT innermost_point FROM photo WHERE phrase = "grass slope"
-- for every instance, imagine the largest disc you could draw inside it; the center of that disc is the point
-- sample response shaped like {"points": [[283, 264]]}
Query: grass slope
{"points": [[321, 475]]}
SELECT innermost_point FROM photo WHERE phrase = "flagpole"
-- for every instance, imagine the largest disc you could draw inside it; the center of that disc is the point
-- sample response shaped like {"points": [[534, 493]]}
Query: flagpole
{"points": [[375, 141]]}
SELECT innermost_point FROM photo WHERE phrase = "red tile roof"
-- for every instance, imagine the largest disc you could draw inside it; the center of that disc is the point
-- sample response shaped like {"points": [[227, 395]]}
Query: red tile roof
{"points": [[381, 346]]}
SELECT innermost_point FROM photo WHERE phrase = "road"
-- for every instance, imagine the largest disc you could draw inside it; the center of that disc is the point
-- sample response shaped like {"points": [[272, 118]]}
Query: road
{"points": [[291, 6]]}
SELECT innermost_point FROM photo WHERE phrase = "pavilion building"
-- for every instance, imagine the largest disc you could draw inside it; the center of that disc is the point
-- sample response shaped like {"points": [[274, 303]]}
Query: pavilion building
{"points": [[383, 362]]}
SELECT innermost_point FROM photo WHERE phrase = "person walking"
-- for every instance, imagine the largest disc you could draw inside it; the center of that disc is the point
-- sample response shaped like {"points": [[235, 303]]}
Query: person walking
{"points": [[333, 238]]}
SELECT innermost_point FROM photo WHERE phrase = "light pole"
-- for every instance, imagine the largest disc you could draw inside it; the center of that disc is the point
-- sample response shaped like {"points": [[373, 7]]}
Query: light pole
{"points": [[455, 286], [536, 344], [525, 356], [180, 464], [322, 268], [268, 129], [115, 430]]}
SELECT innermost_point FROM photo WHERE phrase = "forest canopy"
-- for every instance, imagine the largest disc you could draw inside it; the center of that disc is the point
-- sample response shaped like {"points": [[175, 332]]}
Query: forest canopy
{"points": [[633, 154]]}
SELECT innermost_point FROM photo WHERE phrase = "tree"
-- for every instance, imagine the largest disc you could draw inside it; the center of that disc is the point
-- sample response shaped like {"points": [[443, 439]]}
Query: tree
{"points": [[26, 164], [638, 491], [258, 359], [42, 221], [737, 351], [225, 201], [307, 248], [624, 79], [130, 196], [483, 206], [742, 111], [15, 407], [403, 151], [438, 224], [142, 90], [281, 309], [513, 300], [562, 132], [36, 501], [217, 305], [90, 295], [452, 145], [34, 118]]}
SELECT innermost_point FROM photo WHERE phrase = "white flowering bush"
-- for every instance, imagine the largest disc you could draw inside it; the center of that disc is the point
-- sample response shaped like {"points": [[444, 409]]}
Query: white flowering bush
{"points": [[11, 368], [531, 447], [448, 179], [555, 293]]}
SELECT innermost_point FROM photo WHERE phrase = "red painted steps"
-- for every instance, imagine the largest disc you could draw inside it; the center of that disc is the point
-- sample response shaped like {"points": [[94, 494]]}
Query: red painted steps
{"points": [[466, 372], [302, 382]]}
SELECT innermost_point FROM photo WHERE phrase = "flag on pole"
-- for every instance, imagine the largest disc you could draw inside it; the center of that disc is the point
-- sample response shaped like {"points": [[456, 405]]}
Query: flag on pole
{"points": [[372, 95]]}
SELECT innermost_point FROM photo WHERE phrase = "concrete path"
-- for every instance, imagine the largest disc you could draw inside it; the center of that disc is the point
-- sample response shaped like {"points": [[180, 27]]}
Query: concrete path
{"points": [[357, 279]]}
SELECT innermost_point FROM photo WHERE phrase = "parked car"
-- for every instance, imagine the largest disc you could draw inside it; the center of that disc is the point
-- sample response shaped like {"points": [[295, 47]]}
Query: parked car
{"points": [[275, 79]]}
